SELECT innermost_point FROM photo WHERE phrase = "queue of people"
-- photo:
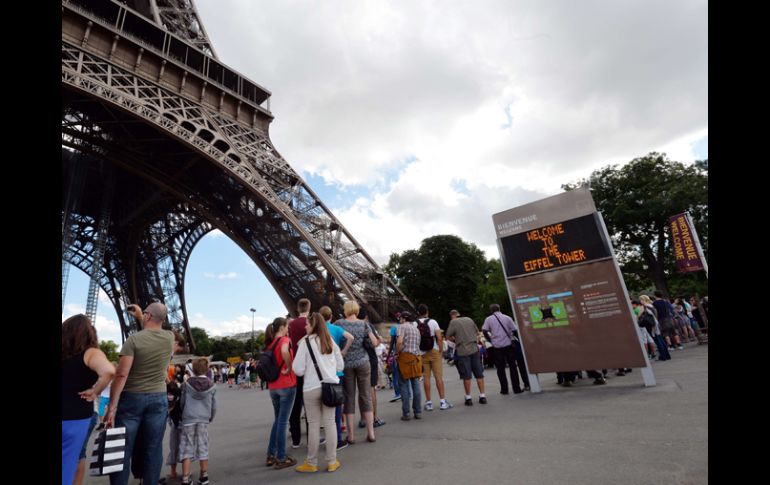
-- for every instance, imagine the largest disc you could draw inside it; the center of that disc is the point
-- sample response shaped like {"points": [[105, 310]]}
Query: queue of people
{"points": [[302, 356]]}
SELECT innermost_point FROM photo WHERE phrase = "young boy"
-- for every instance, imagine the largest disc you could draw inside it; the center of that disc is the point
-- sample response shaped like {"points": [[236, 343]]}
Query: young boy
{"points": [[198, 409]]}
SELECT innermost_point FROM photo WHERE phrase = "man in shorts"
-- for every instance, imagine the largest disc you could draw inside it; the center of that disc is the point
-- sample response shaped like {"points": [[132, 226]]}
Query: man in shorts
{"points": [[462, 331]]}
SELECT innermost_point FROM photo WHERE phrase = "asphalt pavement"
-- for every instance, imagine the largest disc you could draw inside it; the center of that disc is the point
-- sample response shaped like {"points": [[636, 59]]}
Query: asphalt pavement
{"points": [[620, 433]]}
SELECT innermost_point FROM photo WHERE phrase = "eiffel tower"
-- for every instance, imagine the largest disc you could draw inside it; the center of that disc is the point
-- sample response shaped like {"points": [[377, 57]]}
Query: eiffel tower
{"points": [[161, 144]]}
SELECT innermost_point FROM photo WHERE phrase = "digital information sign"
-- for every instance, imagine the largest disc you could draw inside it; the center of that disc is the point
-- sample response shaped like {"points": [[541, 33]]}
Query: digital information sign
{"points": [[567, 294], [553, 246]]}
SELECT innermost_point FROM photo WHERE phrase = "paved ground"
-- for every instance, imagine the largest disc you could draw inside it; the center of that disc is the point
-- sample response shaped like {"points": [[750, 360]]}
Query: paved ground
{"points": [[620, 434]]}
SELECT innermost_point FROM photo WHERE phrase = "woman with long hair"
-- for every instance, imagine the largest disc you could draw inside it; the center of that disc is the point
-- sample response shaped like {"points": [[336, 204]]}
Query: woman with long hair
{"points": [[329, 360], [85, 372], [282, 391]]}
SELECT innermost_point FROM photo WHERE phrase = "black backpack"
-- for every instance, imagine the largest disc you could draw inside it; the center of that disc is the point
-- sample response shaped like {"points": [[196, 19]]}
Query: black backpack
{"points": [[426, 338], [267, 367], [647, 320]]}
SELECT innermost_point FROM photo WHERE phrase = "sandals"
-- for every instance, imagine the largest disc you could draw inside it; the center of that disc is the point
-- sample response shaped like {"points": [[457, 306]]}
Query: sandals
{"points": [[289, 461]]}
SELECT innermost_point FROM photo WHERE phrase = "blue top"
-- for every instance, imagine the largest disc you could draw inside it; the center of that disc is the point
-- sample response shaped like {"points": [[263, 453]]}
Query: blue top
{"points": [[338, 335]]}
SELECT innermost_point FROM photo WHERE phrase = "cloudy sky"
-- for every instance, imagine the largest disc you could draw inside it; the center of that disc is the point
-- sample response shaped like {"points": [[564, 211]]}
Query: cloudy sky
{"points": [[415, 118]]}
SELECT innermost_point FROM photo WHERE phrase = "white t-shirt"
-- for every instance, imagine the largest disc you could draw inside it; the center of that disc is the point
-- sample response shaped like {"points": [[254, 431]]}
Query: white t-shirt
{"points": [[433, 326], [106, 391]]}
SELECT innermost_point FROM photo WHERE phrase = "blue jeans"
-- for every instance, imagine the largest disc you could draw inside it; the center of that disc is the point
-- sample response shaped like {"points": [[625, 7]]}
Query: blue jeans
{"points": [[396, 379], [283, 401], [150, 410], [663, 353], [338, 421], [338, 412], [411, 390]]}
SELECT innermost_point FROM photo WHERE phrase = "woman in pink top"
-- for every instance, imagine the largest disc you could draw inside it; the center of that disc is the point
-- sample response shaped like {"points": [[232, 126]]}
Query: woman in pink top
{"points": [[282, 391]]}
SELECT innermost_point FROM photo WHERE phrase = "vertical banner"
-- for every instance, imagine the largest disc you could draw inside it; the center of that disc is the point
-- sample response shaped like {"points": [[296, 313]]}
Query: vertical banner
{"points": [[684, 240]]}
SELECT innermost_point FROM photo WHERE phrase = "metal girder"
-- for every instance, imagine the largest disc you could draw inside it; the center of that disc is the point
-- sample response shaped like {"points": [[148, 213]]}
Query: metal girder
{"points": [[188, 164]]}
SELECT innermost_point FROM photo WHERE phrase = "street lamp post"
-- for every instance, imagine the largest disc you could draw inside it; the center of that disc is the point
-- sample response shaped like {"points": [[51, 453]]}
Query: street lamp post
{"points": [[252, 330]]}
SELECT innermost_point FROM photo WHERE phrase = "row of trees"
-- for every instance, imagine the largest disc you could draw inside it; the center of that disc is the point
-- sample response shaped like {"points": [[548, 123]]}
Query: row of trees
{"points": [[219, 349], [636, 201], [448, 273]]}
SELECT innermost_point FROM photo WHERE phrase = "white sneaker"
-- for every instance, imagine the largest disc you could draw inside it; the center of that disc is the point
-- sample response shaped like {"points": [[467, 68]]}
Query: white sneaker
{"points": [[429, 406], [445, 405]]}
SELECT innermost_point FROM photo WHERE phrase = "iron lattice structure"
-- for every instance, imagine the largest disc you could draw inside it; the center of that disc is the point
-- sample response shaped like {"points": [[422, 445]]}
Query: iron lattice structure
{"points": [[176, 144]]}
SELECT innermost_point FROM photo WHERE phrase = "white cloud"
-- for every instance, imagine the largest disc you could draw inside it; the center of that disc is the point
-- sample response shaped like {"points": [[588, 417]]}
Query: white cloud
{"points": [[495, 103], [221, 276], [222, 328], [106, 328]]}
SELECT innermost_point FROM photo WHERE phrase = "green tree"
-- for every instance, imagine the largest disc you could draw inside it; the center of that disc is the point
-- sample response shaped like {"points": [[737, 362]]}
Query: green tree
{"points": [[227, 347], [202, 342], [443, 273], [110, 349], [492, 289], [636, 201]]}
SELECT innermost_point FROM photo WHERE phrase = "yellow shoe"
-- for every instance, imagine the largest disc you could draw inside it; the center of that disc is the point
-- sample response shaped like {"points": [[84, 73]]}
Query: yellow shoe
{"points": [[333, 467], [306, 468]]}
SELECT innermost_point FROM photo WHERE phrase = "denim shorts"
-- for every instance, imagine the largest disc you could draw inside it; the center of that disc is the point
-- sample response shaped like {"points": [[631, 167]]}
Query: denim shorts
{"points": [[469, 363]]}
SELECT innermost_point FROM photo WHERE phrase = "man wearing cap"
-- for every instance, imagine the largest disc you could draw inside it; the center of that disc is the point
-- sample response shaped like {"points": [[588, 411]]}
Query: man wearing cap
{"points": [[462, 331]]}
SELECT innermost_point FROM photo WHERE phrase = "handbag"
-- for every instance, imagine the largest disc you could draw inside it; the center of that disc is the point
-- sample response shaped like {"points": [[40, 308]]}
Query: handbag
{"points": [[109, 452], [409, 365], [332, 395]]}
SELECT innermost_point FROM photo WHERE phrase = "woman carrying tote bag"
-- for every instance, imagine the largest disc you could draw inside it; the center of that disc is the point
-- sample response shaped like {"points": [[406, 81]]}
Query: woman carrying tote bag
{"points": [[329, 361]]}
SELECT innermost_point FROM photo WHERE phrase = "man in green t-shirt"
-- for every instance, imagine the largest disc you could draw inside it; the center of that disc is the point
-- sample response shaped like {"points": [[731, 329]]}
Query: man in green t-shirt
{"points": [[138, 395], [463, 332]]}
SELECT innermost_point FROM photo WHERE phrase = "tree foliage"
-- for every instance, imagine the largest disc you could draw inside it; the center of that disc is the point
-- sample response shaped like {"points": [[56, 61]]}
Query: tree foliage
{"points": [[443, 273], [491, 289], [202, 342], [110, 349], [636, 201], [227, 347]]}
